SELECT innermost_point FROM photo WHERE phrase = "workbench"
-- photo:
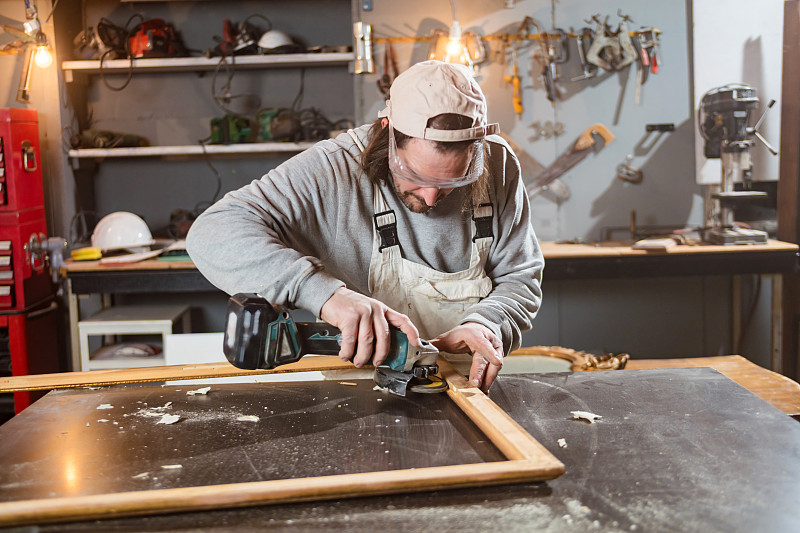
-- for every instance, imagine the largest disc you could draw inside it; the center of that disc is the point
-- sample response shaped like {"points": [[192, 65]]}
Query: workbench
{"points": [[682, 449], [563, 262]]}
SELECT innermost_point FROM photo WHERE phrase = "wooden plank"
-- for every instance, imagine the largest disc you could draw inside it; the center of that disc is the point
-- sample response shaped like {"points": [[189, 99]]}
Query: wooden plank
{"points": [[163, 501], [788, 187], [778, 390], [194, 64], [122, 376], [191, 149], [615, 249], [536, 464], [148, 264]]}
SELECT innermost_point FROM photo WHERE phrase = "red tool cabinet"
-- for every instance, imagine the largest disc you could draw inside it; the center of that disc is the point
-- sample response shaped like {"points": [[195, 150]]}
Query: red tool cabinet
{"points": [[28, 317]]}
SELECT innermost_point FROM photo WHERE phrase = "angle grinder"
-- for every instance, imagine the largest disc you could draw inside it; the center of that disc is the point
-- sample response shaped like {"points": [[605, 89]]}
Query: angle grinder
{"points": [[257, 336]]}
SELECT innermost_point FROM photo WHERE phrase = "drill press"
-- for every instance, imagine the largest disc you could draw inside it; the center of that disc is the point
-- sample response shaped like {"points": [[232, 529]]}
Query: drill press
{"points": [[724, 114]]}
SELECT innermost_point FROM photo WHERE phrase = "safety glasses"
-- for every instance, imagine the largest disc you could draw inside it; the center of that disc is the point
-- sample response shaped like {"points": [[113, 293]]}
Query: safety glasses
{"points": [[400, 168]]}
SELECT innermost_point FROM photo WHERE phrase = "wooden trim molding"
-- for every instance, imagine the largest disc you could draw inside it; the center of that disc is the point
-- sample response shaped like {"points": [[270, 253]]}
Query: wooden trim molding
{"points": [[527, 460]]}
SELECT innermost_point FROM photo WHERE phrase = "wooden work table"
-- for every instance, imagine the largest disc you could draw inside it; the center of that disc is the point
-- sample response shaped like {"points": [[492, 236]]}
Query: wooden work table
{"points": [[676, 449], [563, 262]]}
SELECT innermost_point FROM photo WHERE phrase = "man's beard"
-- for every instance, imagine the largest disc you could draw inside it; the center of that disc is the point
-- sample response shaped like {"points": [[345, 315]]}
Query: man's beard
{"points": [[416, 203]]}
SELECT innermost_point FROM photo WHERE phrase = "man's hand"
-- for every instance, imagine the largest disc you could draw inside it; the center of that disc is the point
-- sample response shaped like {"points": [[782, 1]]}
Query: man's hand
{"points": [[364, 322], [486, 349]]}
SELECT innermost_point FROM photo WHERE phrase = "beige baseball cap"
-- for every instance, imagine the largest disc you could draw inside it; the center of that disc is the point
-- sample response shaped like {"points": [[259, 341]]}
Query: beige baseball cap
{"points": [[432, 88]]}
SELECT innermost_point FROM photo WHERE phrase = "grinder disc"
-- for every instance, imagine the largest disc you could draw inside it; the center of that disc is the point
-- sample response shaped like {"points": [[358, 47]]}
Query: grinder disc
{"points": [[431, 384]]}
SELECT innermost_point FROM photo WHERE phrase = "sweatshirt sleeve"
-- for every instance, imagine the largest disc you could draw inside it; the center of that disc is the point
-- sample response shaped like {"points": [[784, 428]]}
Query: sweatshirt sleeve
{"points": [[515, 263], [270, 236]]}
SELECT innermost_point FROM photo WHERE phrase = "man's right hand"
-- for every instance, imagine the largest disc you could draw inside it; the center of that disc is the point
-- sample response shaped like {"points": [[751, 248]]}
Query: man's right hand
{"points": [[365, 323]]}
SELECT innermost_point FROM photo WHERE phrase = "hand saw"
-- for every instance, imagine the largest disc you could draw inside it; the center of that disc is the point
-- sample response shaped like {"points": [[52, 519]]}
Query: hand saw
{"points": [[556, 191], [591, 140]]}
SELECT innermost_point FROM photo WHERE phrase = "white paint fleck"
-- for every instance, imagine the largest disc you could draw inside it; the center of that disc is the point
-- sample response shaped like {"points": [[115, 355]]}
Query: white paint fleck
{"points": [[585, 415], [143, 475], [171, 467], [105, 406], [247, 418], [562, 443], [102, 420], [202, 391], [168, 419]]}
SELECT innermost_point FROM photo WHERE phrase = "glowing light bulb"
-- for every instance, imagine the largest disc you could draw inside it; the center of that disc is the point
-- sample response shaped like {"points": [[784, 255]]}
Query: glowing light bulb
{"points": [[454, 51], [42, 57]]}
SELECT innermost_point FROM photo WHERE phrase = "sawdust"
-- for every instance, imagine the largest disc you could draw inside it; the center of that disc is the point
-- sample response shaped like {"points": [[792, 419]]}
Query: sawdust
{"points": [[168, 419], [585, 415], [203, 391], [105, 406]]}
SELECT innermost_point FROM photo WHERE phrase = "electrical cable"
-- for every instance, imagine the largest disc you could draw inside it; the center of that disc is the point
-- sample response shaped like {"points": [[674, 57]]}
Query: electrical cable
{"points": [[197, 210], [52, 9], [298, 99], [222, 100]]}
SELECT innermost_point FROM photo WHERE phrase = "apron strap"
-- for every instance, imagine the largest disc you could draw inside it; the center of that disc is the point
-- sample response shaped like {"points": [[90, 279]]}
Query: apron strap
{"points": [[482, 215], [351, 132], [386, 224]]}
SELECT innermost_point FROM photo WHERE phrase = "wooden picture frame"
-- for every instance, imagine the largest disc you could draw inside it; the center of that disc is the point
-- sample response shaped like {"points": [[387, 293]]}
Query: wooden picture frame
{"points": [[527, 460]]}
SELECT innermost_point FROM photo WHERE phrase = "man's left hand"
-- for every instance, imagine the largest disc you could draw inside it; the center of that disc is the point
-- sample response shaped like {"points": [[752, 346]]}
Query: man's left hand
{"points": [[486, 349]]}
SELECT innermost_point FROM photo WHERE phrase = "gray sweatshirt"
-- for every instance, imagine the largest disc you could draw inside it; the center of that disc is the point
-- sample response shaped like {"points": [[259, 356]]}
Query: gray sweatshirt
{"points": [[305, 229]]}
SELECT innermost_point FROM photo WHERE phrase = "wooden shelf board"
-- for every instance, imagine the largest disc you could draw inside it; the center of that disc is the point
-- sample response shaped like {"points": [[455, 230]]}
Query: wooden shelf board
{"points": [[190, 150], [195, 64]]}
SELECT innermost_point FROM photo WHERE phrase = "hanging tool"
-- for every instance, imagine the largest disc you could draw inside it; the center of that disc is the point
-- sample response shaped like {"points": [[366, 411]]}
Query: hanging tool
{"points": [[557, 52], [629, 173], [626, 45], [556, 191], [581, 38], [605, 50], [644, 66], [516, 85], [544, 55], [651, 46], [591, 140], [390, 71], [258, 337]]}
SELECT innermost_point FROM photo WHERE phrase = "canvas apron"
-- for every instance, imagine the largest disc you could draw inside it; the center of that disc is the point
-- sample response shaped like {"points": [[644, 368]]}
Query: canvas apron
{"points": [[434, 301]]}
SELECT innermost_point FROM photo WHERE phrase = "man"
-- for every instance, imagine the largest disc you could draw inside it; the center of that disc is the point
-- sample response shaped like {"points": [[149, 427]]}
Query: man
{"points": [[419, 221]]}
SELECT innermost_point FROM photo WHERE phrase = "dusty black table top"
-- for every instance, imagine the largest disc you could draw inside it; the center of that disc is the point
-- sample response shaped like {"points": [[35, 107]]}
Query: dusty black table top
{"points": [[675, 450]]}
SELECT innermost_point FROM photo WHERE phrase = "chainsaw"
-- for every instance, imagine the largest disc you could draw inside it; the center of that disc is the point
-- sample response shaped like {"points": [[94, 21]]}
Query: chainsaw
{"points": [[257, 336]]}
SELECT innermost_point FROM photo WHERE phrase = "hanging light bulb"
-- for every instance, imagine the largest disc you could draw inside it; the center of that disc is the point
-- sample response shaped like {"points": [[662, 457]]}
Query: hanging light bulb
{"points": [[42, 56], [455, 46], [455, 51]]}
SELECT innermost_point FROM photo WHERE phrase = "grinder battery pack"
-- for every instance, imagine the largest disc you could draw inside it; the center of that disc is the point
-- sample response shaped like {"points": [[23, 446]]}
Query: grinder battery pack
{"points": [[257, 336]]}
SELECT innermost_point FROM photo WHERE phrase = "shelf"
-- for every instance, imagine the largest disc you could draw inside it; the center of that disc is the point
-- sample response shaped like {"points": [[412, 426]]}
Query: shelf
{"points": [[191, 149], [195, 64]]}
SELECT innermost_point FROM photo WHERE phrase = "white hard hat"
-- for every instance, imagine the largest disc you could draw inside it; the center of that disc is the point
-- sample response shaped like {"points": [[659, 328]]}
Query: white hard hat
{"points": [[120, 231], [276, 42]]}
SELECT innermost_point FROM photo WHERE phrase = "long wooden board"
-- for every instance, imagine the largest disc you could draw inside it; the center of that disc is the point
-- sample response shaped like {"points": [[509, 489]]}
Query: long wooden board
{"points": [[121, 376], [529, 461]]}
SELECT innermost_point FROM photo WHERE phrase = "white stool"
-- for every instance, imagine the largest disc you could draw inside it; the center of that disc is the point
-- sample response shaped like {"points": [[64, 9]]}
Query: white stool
{"points": [[126, 320]]}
